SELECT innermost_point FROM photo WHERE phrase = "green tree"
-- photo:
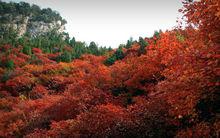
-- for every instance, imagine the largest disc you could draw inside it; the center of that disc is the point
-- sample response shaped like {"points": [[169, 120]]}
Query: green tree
{"points": [[79, 49], [24, 8], [65, 57], [129, 43], [72, 42], [27, 50], [35, 10], [9, 64], [157, 33], [110, 61], [103, 50], [118, 55], [143, 44], [93, 49], [8, 36]]}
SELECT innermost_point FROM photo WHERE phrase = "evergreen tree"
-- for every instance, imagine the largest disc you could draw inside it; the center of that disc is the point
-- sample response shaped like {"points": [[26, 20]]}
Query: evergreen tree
{"points": [[157, 33], [24, 8], [110, 61], [119, 54], [129, 43], [93, 49], [143, 44], [79, 49], [27, 50], [72, 42], [8, 36], [9, 64], [66, 57]]}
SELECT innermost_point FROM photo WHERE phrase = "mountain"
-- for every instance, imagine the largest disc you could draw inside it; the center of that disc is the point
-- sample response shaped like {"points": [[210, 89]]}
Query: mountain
{"points": [[29, 26], [29, 19]]}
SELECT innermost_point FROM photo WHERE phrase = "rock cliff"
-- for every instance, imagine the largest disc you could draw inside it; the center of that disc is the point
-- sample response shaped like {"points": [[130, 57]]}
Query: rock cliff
{"points": [[33, 21]]}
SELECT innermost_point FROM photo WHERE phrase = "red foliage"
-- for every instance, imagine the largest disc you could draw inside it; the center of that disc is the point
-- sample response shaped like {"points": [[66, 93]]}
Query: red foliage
{"points": [[20, 84], [11, 120], [36, 51], [171, 90], [104, 120], [205, 14], [38, 91]]}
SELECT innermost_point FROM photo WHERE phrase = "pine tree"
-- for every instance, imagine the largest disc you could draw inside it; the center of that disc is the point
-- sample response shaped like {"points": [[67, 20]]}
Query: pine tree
{"points": [[143, 44]]}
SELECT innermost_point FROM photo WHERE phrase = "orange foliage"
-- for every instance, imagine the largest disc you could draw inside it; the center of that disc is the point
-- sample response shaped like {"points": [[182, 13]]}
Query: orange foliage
{"points": [[205, 14], [172, 90]]}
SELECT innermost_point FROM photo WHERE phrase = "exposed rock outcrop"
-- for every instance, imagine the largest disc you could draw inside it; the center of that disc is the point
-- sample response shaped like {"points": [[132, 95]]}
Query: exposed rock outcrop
{"points": [[23, 24], [25, 18]]}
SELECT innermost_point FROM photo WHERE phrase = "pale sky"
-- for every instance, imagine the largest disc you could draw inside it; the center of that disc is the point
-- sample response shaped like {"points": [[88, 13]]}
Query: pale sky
{"points": [[112, 22]]}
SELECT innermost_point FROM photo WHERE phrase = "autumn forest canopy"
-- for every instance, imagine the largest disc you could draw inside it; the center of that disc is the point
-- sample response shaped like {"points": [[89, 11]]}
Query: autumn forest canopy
{"points": [[52, 85]]}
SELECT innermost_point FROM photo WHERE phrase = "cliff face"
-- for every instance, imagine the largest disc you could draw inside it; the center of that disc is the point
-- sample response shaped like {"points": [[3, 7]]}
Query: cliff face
{"points": [[23, 24], [24, 18], [37, 28]]}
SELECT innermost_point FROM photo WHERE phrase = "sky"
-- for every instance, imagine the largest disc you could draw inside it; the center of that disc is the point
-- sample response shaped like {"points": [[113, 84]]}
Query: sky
{"points": [[113, 22]]}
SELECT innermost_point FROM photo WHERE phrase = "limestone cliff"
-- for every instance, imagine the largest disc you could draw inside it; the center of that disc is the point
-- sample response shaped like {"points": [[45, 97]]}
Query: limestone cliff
{"points": [[32, 20]]}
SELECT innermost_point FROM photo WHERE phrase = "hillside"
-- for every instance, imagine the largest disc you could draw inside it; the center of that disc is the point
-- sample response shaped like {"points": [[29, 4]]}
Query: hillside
{"points": [[163, 86], [25, 27], [29, 19]]}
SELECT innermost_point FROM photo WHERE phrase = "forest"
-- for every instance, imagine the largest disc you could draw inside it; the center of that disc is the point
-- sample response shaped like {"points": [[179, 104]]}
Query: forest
{"points": [[38, 14], [163, 86]]}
